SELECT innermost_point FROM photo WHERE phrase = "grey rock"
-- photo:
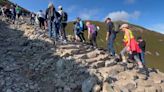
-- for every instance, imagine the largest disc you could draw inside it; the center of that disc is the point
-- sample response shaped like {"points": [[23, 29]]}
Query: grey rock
{"points": [[88, 84]]}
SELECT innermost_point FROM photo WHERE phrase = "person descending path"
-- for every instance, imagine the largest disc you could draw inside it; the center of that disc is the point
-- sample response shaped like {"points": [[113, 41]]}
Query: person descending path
{"points": [[52, 17], [142, 45], [131, 45], [41, 18], [63, 23], [92, 33], [110, 36]]}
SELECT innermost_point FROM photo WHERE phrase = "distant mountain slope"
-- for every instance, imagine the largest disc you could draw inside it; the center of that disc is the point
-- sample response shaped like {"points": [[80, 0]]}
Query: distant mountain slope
{"points": [[154, 48]]}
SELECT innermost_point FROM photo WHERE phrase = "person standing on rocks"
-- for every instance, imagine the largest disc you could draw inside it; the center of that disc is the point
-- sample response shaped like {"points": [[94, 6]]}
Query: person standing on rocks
{"points": [[18, 12], [63, 23], [52, 17], [13, 13], [131, 45], [32, 18], [110, 36], [142, 45], [41, 18], [92, 33]]}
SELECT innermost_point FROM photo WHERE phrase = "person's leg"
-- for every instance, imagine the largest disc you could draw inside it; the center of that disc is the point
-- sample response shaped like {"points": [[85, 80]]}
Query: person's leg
{"points": [[111, 43], [79, 35], [64, 33], [49, 28], [123, 54], [83, 38], [136, 58], [143, 57]]}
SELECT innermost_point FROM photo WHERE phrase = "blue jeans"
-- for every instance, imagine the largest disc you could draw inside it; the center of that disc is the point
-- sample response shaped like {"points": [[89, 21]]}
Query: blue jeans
{"points": [[111, 43], [52, 29], [142, 57]]}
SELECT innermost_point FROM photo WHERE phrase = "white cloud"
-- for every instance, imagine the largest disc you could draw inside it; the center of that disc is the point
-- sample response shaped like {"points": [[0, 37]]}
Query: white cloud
{"points": [[130, 1], [123, 15], [71, 9], [158, 28], [88, 14]]}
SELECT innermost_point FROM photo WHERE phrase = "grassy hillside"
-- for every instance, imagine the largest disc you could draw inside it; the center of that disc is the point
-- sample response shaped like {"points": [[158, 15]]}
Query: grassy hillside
{"points": [[155, 42]]}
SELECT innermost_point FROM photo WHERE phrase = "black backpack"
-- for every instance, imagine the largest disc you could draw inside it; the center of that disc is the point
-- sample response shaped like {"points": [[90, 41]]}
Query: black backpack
{"points": [[116, 27], [64, 16]]}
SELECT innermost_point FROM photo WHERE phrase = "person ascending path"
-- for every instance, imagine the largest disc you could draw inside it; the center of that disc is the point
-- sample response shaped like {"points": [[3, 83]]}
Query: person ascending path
{"points": [[63, 23], [92, 33], [110, 36], [52, 17], [131, 45], [41, 18], [18, 12]]}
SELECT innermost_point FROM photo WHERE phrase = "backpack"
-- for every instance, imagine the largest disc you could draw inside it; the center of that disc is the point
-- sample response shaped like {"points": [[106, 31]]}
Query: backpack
{"points": [[84, 26], [115, 27], [64, 16], [96, 28]]}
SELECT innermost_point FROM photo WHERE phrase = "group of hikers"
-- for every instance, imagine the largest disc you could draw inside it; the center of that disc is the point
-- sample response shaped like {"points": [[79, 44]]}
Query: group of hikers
{"points": [[55, 23], [12, 12]]}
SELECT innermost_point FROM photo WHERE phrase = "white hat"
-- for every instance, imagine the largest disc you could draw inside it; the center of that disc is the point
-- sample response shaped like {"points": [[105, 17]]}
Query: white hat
{"points": [[60, 7], [50, 4], [124, 26]]}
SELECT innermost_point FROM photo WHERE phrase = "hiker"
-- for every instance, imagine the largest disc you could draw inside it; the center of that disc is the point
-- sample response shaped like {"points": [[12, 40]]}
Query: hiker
{"points": [[110, 36], [52, 17], [13, 13], [92, 33], [41, 18], [75, 28], [18, 12], [131, 45], [142, 45], [32, 18], [63, 23], [79, 30], [7, 11]]}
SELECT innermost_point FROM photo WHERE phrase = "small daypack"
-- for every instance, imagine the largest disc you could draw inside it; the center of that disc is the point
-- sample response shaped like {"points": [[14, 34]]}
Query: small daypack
{"points": [[115, 27], [64, 16]]}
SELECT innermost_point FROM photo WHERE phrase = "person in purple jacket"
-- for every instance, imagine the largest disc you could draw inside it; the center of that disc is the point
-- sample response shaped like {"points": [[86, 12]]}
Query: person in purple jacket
{"points": [[92, 33]]}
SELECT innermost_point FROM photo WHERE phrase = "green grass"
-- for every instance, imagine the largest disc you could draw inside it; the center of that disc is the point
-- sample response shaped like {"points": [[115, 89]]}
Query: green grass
{"points": [[152, 39]]}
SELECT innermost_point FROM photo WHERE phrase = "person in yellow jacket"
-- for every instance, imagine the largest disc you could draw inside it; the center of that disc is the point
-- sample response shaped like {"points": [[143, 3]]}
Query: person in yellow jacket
{"points": [[131, 45]]}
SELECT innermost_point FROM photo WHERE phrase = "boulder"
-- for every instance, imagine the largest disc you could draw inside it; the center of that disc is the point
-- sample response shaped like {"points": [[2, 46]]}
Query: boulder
{"points": [[88, 84], [109, 63], [96, 88], [107, 88]]}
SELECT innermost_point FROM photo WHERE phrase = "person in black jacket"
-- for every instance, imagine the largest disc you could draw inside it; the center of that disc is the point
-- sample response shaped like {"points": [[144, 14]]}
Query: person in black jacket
{"points": [[52, 17], [142, 45]]}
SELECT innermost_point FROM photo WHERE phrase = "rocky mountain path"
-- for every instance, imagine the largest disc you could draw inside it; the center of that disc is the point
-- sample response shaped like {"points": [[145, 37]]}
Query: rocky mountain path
{"points": [[31, 62]]}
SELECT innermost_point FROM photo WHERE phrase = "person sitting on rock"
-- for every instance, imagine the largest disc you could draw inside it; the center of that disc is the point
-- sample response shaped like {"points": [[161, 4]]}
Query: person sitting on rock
{"points": [[131, 45], [92, 33]]}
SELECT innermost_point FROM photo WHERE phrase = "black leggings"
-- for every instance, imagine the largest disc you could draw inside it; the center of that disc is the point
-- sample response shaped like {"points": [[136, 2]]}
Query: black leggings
{"points": [[81, 36], [41, 22]]}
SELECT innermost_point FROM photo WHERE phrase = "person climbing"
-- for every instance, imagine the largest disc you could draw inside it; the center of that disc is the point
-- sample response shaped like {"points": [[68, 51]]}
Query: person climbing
{"points": [[80, 31], [32, 18], [92, 33], [110, 36], [52, 17], [18, 12], [75, 28], [131, 45], [41, 18], [142, 45], [63, 23]]}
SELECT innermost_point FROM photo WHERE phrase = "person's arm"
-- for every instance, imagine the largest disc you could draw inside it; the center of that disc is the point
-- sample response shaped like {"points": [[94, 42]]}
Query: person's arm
{"points": [[89, 33], [107, 36]]}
